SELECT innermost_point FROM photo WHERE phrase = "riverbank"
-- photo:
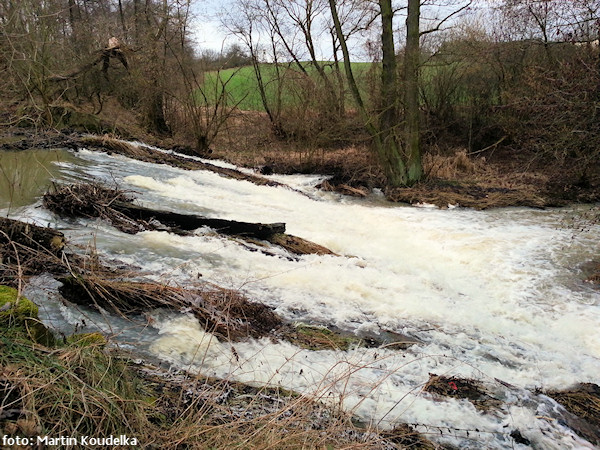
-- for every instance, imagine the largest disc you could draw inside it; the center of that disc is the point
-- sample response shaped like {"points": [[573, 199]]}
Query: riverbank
{"points": [[502, 179]]}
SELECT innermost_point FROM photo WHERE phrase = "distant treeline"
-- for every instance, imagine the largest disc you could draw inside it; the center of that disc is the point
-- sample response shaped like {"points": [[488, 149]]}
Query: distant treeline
{"points": [[233, 56]]}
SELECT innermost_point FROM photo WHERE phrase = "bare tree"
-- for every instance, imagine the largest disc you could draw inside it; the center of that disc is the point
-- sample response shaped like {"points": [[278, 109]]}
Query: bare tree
{"points": [[401, 163], [250, 25]]}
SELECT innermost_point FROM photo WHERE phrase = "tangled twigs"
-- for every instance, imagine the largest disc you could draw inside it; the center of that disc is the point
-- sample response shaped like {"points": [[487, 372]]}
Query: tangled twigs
{"points": [[91, 200], [26, 249]]}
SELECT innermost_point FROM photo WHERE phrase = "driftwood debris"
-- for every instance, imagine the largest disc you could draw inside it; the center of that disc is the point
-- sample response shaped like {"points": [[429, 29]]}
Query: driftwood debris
{"points": [[92, 200], [223, 312], [30, 235], [27, 249], [342, 188]]}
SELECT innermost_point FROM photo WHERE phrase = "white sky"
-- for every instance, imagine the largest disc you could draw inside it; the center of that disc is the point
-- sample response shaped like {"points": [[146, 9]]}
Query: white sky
{"points": [[208, 31], [210, 34]]}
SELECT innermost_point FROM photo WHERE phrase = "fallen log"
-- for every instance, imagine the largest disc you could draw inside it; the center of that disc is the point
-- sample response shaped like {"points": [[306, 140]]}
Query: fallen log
{"points": [[93, 200], [188, 222]]}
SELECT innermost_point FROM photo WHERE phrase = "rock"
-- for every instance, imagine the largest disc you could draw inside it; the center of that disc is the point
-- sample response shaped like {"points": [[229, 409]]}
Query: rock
{"points": [[20, 312]]}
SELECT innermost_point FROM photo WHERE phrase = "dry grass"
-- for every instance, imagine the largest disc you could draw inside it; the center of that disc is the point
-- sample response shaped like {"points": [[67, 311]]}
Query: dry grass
{"points": [[452, 167], [456, 179], [220, 311], [583, 401], [461, 180]]}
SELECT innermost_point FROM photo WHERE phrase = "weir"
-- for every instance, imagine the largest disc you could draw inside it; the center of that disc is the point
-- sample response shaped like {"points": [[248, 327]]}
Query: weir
{"points": [[496, 296]]}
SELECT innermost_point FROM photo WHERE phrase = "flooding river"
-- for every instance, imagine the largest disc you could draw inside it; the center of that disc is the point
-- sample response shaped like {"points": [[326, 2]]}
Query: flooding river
{"points": [[497, 296]]}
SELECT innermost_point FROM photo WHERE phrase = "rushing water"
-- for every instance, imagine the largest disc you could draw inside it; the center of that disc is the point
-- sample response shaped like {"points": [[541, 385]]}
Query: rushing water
{"points": [[496, 296]]}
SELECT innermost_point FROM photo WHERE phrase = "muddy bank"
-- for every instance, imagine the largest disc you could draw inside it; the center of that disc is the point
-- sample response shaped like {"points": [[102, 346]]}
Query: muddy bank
{"points": [[24, 140], [457, 179], [444, 195], [479, 181]]}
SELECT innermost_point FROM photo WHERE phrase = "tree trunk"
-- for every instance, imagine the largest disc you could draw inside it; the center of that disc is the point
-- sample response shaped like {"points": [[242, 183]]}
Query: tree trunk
{"points": [[402, 168], [353, 86], [122, 17], [390, 148], [414, 167], [155, 112]]}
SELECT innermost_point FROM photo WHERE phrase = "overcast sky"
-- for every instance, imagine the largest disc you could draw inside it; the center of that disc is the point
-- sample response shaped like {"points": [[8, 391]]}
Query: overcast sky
{"points": [[207, 28], [209, 33]]}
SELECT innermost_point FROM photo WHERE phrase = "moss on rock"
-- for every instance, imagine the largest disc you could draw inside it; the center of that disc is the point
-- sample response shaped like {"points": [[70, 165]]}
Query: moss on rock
{"points": [[320, 338], [15, 309], [20, 312]]}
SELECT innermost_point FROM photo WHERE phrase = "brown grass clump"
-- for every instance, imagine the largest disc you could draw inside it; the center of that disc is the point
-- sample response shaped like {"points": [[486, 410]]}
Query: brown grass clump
{"points": [[461, 180], [112, 144], [405, 436], [222, 312], [467, 196], [461, 388], [584, 402], [453, 167]]}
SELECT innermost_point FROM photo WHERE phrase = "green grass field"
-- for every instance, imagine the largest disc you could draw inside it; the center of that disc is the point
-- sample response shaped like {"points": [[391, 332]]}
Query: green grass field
{"points": [[441, 84], [241, 84]]}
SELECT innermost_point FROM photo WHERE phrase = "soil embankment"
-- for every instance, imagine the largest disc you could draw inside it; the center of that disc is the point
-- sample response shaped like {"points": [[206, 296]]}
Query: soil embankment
{"points": [[473, 181]]}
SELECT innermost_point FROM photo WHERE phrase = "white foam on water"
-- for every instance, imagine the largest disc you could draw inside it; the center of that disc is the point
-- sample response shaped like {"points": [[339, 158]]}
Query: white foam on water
{"points": [[491, 295]]}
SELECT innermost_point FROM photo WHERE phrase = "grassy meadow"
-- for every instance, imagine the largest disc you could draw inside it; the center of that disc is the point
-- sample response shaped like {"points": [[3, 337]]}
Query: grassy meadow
{"points": [[241, 84]]}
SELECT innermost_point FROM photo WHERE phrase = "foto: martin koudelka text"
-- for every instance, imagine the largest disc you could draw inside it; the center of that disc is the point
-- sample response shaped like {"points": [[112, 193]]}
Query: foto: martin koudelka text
{"points": [[108, 441]]}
